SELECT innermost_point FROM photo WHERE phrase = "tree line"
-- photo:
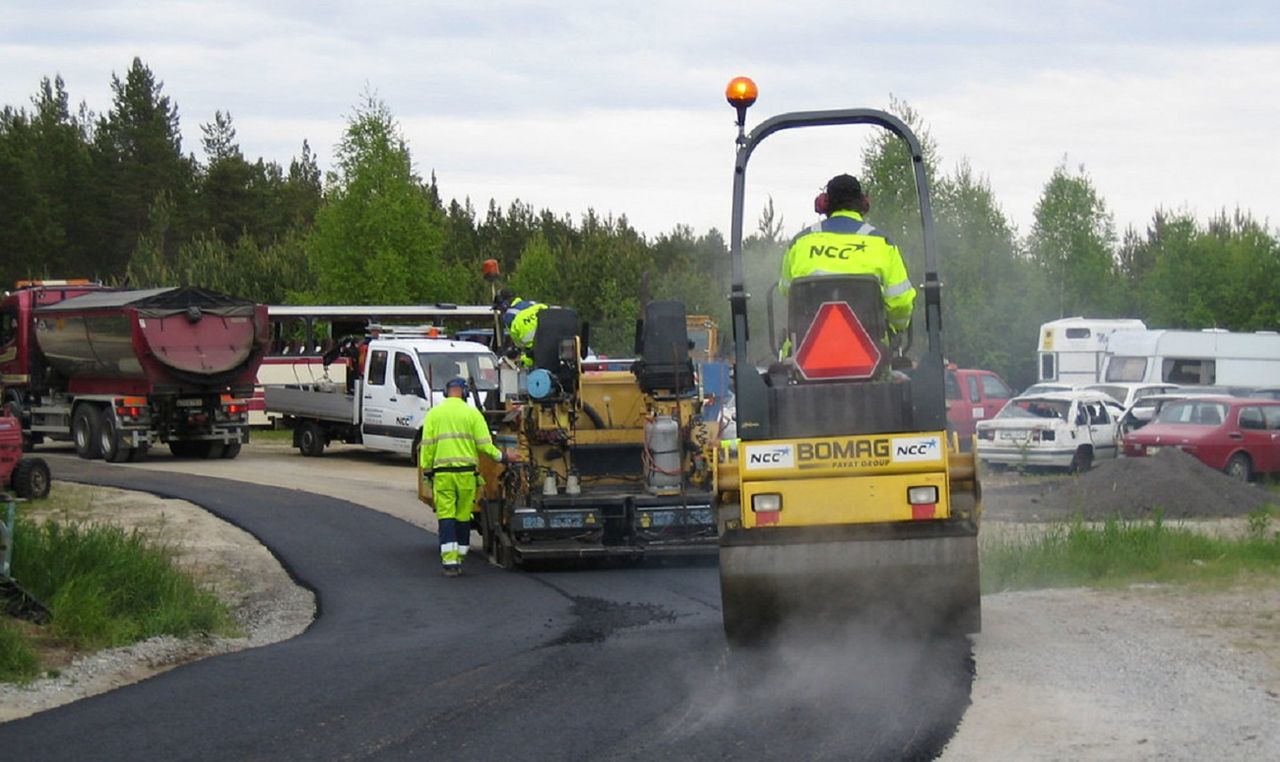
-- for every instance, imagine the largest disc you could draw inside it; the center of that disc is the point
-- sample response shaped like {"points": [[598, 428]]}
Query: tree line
{"points": [[115, 197]]}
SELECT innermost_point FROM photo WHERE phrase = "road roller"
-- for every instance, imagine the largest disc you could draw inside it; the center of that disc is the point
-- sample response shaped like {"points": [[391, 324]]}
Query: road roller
{"points": [[843, 499]]}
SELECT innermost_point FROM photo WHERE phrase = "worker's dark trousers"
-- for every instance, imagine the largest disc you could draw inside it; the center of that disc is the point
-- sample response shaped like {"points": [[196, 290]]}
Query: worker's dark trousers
{"points": [[454, 534]]}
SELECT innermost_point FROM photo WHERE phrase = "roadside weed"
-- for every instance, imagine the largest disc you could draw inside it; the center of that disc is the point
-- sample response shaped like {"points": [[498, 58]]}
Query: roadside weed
{"points": [[1119, 552]]}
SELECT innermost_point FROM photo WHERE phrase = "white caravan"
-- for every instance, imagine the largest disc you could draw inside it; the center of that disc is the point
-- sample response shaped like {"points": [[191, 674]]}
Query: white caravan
{"points": [[1072, 350], [1210, 357]]}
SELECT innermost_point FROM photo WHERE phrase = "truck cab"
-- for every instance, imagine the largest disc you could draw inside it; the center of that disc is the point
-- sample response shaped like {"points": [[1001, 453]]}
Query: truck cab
{"points": [[396, 381], [403, 378], [973, 395]]}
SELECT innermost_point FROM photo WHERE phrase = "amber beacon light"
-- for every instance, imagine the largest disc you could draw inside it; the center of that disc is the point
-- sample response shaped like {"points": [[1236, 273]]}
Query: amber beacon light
{"points": [[741, 93]]}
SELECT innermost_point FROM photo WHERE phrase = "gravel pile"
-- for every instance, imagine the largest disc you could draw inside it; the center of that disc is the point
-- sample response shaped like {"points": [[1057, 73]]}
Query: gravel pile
{"points": [[1172, 482]]}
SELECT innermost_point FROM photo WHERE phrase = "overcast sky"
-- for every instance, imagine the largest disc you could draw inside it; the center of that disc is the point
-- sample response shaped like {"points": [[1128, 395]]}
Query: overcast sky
{"points": [[620, 106]]}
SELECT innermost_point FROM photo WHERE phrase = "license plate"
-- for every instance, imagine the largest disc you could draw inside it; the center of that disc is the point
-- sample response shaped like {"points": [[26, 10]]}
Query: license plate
{"points": [[1018, 435], [190, 403], [1153, 450]]}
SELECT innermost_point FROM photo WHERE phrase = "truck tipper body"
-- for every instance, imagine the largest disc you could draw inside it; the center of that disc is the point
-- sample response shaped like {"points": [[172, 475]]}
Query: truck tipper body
{"points": [[119, 371]]}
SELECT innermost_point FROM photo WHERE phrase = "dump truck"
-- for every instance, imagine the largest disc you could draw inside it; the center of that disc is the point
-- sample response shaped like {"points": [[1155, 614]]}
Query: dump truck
{"points": [[119, 371], [844, 499], [615, 463]]}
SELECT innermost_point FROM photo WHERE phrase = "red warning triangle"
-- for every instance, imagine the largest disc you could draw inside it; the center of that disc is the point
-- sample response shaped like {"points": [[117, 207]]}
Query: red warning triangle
{"points": [[836, 346]]}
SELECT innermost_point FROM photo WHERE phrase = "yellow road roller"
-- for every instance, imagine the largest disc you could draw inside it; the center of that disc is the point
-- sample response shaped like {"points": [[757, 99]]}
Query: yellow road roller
{"points": [[842, 499]]}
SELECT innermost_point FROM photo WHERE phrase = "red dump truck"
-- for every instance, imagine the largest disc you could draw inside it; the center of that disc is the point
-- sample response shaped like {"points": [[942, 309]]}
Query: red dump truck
{"points": [[118, 371]]}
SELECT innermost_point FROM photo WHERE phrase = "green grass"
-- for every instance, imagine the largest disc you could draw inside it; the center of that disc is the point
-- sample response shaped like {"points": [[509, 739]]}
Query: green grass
{"points": [[271, 436], [1118, 553], [106, 587], [18, 660]]}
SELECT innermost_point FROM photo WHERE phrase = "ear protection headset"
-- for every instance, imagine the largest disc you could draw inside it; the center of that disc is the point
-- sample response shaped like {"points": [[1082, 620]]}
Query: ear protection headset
{"points": [[822, 204]]}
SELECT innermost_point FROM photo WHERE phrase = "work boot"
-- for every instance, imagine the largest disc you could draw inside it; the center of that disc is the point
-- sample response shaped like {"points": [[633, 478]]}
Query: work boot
{"points": [[453, 570]]}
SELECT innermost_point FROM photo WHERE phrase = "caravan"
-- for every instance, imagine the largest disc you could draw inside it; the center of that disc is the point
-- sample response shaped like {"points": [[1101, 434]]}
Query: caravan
{"points": [[1210, 357], [1072, 349]]}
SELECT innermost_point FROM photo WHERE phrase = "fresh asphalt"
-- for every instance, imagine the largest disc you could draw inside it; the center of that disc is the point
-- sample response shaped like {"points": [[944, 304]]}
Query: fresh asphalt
{"points": [[557, 664]]}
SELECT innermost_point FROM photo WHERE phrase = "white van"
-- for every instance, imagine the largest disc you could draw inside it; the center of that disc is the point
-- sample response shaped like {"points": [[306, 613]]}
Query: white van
{"points": [[1072, 349], [1194, 358]]}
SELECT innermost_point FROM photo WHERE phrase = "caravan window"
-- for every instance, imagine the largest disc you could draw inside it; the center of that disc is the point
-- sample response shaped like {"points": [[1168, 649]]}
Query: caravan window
{"points": [[1126, 369], [1078, 333], [1183, 370], [1048, 369]]}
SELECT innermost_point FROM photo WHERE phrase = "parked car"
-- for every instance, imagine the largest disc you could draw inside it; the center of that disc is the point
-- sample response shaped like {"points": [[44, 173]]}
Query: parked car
{"points": [[1144, 409], [973, 395], [1237, 435], [1129, 393], [1058, 429], [1045, 387], [1266, 392]]}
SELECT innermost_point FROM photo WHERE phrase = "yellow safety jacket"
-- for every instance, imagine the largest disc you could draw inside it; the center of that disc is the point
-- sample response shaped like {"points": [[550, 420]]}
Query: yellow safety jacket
{"points": [[522, 322], [845, 244], [453, 434]]}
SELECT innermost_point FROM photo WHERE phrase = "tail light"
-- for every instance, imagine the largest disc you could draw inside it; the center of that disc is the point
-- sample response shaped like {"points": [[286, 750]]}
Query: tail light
{"points": [[1044, 435], [986, 434]]}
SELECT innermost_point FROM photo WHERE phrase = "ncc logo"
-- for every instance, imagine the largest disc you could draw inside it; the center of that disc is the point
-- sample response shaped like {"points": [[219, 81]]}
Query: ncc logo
{"points": [[770, 456], [917, 448]]}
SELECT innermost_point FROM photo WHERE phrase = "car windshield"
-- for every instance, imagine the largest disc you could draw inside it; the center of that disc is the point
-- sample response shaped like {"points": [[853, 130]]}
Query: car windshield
{"points": [[476, 366], [1193, 412], [1035, 408]]}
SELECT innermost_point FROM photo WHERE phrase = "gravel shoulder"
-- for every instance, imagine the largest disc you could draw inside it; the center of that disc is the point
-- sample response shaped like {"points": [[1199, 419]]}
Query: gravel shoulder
{"points": [[267, 604]]}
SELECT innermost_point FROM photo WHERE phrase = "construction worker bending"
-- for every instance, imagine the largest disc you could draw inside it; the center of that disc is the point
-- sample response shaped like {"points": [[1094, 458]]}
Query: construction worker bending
{"points": [[454, 433], [846, 244], [520, 320]]}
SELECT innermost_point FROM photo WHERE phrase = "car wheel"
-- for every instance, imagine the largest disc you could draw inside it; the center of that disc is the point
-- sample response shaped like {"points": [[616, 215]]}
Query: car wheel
{"points": [[1239, 467], [1082, 461], [231, 450]]}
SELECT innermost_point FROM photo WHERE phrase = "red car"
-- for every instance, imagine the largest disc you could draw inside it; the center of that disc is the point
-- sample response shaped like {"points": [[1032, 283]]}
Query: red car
{"points": [[972, 396], [1237, 435]]}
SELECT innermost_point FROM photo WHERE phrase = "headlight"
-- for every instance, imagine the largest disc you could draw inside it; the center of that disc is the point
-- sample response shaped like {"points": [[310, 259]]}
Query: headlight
{"points": [[767, 502], [922, 495]]}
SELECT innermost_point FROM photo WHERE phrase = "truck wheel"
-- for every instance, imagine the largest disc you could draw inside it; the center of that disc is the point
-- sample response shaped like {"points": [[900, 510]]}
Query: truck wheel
{"points": [[230, 450], [310, 439], [109, 442], [85, 422], [1239, 467], [31, 479], [1082, 461]]}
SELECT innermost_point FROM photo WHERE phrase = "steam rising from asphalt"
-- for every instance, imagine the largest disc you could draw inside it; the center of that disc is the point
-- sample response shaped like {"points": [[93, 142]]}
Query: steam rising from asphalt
{"points": [[831, 693]]}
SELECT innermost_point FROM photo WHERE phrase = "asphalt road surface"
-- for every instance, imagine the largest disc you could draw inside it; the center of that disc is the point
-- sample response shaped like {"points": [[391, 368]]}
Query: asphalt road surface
{"points": [[560, 663]]}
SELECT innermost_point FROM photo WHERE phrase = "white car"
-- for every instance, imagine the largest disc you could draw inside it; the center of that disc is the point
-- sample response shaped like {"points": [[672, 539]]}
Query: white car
{"points": [[1057, 429], [1129, 393]]}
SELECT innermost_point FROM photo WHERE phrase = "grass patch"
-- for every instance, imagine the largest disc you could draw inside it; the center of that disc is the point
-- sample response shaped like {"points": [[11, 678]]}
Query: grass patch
{"points": [[1118, 553], [106, 587], [18, 660], [271, 436]]}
